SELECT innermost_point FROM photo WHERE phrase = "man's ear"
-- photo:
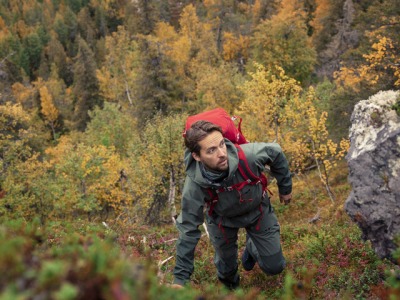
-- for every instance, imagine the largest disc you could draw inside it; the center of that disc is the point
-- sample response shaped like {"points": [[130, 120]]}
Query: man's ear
{"points": [[195, 156]]}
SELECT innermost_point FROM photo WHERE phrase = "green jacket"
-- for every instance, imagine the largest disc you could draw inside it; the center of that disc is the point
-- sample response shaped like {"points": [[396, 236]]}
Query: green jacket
{"points": [[229, 210]]}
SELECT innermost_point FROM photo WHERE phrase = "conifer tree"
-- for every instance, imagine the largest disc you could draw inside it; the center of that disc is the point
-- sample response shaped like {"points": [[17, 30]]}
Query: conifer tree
{"points": [[86, 27], [57, 56], [157, 88], [142, 16], [85, 88], [33, 48]]}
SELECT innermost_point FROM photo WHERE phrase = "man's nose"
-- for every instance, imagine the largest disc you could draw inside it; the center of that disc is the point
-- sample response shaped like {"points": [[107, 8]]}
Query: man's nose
{"points": [[221, 152]]}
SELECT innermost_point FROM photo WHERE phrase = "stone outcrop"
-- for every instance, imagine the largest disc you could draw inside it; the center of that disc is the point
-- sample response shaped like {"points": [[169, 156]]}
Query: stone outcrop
{"points": [[374, 171]]}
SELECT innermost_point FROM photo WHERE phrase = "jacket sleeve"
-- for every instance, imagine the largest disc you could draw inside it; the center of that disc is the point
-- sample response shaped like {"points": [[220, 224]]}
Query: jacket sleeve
{"points": [[271, 154], [188, 222]]}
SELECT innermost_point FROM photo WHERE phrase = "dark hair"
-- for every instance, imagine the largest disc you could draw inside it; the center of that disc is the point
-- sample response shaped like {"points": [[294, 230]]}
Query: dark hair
{"points": [[197, 132]]}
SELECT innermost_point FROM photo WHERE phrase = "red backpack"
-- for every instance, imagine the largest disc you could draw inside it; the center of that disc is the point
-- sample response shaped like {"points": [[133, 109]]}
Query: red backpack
{"points": [[220, 117]]}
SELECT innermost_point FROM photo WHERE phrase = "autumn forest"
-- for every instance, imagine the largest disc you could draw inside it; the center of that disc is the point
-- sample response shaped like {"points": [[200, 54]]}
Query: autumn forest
{"points": [[93, 99]]}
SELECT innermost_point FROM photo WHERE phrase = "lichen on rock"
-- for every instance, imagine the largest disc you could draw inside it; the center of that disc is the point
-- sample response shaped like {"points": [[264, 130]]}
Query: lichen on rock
{"points": [[374, 171]]}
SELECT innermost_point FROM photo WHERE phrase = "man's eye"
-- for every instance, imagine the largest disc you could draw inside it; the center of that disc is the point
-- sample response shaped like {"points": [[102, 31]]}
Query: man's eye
{"points": [[210, 151], [222, 143]]}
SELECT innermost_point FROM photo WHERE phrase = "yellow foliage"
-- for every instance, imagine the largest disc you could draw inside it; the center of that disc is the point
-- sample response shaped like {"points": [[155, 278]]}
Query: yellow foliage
{"points": [[107, 84], [3, 25], [275, 110], [217, 87], [176, 47], [269, 94], [28, 187], [382, 58], [49, 111], [190, 23], [11, 115], [88, 173], [210, 3], [289, 9], [198, 34], [165, 32], [22, 93], [118, 74], [235, 47]]}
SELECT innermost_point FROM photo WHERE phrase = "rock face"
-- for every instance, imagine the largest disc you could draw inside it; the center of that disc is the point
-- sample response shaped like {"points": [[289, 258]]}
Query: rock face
{"points": [[345, 38], [374, 166]]}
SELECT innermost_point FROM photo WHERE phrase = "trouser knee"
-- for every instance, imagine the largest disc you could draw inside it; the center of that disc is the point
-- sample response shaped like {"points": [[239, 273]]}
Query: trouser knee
{"points": [[273, 265]]}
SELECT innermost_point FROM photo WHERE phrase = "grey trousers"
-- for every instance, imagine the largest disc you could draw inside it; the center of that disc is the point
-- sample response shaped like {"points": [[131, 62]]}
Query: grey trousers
{"points": [[263, 244]]}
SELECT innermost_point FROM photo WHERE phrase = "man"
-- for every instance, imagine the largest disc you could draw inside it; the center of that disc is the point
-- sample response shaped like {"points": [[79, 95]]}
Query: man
{"points": [[212, 162]]}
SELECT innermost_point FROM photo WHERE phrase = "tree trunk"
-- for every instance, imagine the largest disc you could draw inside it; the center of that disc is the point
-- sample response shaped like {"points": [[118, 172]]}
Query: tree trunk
{"points": [[171, 195]]}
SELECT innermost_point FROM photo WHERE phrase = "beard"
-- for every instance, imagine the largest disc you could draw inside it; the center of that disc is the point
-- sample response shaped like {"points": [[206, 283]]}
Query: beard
{"points": [[221, 166]]}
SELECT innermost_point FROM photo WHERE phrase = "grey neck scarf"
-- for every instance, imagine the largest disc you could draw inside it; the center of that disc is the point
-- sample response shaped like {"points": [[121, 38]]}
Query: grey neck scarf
{"points": [[213, 177]]}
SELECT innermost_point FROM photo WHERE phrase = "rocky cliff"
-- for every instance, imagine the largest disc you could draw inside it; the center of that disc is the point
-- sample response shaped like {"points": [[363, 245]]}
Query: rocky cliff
{"points": [[345, 38], [374, 166]]}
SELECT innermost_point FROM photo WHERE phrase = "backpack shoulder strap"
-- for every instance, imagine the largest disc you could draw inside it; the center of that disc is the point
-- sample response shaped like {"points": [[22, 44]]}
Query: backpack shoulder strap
{"points": [[212, 200], [243, 165], [246, 172]]}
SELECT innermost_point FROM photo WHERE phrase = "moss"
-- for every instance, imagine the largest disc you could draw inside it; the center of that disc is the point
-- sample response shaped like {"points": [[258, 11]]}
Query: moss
{"points": [[396, 107], [376, 119]]}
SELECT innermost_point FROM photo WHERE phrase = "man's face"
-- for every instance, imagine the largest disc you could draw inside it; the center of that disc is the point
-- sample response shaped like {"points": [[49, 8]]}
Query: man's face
{"points": [[213, 152]]}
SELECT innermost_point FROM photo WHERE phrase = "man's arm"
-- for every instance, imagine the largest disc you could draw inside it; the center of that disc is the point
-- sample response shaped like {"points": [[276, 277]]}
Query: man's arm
{"points": [[271, 154], [188, 222]]}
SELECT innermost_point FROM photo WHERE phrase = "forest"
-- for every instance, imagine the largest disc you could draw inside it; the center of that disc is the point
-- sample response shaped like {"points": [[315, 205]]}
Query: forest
{"points": [[94, 95]]}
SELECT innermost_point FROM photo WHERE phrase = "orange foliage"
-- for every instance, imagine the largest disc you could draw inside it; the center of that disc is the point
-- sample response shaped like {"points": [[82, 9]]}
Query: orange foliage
{"points": [[22, 29], [23, 94], [321, 13], [235, 47]]}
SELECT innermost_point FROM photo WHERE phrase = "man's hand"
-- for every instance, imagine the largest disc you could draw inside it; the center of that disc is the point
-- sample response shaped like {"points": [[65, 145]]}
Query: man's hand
{"points": [[285, 198]]}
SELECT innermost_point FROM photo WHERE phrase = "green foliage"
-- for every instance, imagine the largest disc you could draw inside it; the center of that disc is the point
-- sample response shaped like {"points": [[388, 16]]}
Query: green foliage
{"points": [[111, 128], [339, 262], [83, 264], [284, 42], [85, 89], [341, 105], [396, 107], [393, 283], [158, 87], [33, 48], [156, 166]]}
